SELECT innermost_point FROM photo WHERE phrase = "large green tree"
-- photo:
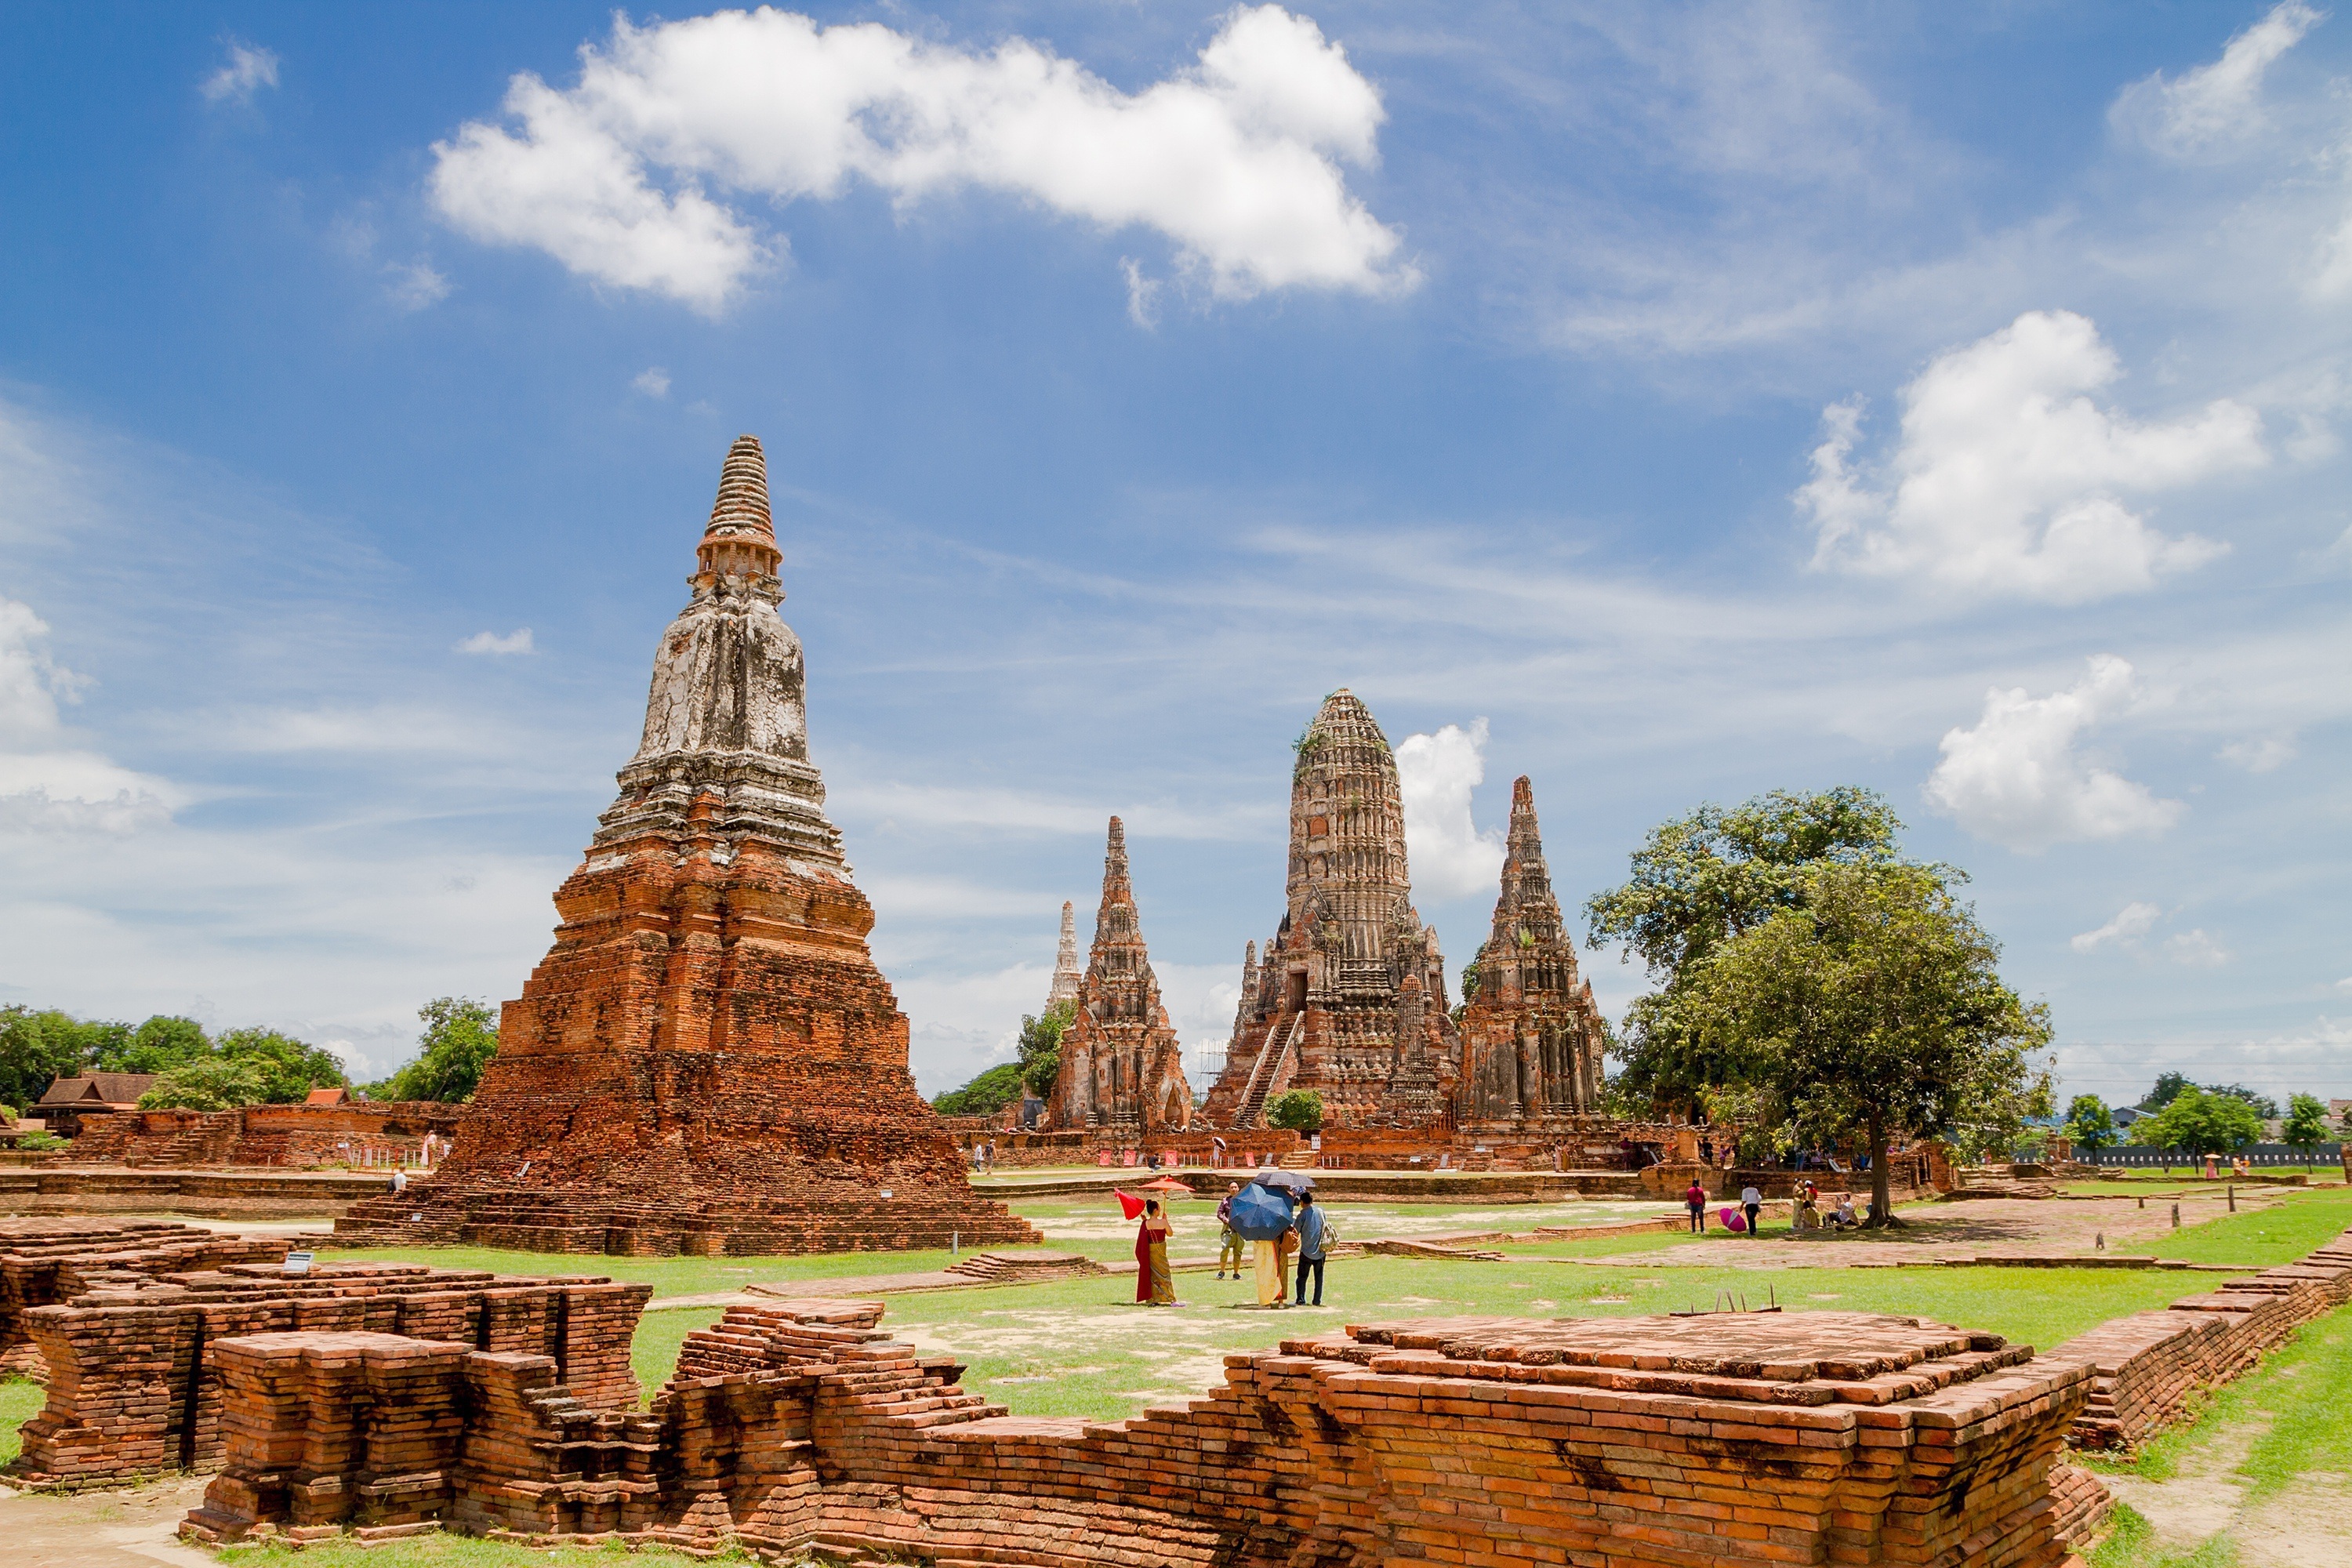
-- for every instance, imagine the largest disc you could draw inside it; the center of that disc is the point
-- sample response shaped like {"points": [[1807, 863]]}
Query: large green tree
{"points": [[1699, 882], [2305, 1124], [2197, 1122], [1041, 1047], [209, 1083], [158, 1045], [1871, 1004], [36, 1049], [459, 1037], [986, 1095], [2089, 1124]]}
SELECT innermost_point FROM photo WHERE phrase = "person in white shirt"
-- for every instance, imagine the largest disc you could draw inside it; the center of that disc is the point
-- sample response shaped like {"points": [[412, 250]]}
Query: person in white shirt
{"points": [[1752, 1203]]}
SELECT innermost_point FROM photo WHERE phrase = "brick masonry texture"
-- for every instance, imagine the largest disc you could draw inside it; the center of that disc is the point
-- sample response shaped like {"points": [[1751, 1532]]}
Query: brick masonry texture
{"points": [[707, 1059], [1121, 1066], [129, 1341], [1531, 1034], [294, 1137], [1796, 1438], [1348, 997], [1683, 1441]]}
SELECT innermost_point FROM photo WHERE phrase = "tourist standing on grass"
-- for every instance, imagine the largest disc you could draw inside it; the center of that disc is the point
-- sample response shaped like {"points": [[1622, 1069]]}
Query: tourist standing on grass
{"points": [[1268, 1263], [1154, 1285], [1695, 1200], [1284, 1245], [1311, 1229], [1229, 1241], [1752, 1203]]}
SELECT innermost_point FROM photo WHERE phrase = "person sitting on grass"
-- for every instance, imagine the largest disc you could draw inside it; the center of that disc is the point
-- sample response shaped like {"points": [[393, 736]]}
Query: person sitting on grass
{"points": [[1843, 1217]]}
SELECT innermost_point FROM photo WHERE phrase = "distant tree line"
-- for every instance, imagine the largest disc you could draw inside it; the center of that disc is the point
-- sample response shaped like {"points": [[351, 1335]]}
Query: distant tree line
{"points": [[198, 1070], [1036, 1065], [202, 1071], [2194, 1120]]}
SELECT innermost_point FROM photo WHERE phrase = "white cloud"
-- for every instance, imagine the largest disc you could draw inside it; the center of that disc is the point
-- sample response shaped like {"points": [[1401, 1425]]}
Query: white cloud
{"points": [[248, 70], [1235, 160], [47, 783], [2344, 983], [2262, 755], [2133, 921], [653, 381], [516, 641], [415, 286], [1142, 294], [2206, 110], [2194, 950], [1450, 857], [2015, 778], [2008, 477]]}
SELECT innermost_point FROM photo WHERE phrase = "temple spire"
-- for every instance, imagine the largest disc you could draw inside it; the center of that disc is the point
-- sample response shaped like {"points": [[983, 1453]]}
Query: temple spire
{"points": [[741, 539], [1066, 973]]}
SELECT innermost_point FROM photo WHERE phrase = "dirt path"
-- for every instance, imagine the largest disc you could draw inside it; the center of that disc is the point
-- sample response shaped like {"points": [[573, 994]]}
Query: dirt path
{"points": [[1975, 1227], [130, 1529]]}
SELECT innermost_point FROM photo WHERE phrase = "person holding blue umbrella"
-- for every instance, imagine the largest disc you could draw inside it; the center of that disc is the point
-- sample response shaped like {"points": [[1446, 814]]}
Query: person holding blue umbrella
{"points": [[1261, 1216]]}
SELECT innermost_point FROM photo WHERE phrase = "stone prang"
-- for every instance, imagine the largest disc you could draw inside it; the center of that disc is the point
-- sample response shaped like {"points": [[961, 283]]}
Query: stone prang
{"points": [[1349, 997], [1121, 1064], [1531, 1036], [1067, 975], [707, 1059]]}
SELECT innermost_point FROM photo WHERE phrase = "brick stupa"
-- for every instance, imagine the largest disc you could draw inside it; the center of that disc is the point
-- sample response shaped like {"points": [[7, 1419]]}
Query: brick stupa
{"points": [[1348, 997], [708, 1060], [1121, 1064], [1531, 1035]]}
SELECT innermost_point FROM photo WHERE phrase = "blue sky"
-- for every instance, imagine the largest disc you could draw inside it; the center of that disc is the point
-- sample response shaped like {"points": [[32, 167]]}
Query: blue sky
{"points": [[1670, 402]]}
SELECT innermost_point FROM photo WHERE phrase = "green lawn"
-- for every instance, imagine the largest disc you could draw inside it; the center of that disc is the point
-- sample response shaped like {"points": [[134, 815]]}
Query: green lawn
{"points": [[1082, 1347], [2305, 1220], [20, 1400], [2283, 1434]]}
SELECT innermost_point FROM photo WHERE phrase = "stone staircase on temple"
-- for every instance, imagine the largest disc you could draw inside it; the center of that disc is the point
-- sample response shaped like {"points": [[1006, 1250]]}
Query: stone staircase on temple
{"points": [[1272, 1067]]}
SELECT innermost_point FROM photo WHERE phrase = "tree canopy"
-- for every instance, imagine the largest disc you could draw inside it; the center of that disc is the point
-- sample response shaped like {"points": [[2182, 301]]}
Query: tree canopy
{"points": [[243, 1066], [986, 1095], [2199, 1122], [1297, 1110], [2089, 1124], [2306, 1121], [1041, 1047], [455, 1048], [1701, 880], [1871, 1003]]}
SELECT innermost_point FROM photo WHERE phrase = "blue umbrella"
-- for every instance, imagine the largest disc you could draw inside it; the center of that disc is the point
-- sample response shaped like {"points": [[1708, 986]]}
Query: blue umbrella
{"points": [[1259, 1214]]}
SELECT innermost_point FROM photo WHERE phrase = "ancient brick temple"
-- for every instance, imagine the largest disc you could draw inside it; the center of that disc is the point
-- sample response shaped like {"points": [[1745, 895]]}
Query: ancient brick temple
{"points": [[1121, 1064], [1066, 973], [1531, 1036], [707, 1059], [1349, 997]]}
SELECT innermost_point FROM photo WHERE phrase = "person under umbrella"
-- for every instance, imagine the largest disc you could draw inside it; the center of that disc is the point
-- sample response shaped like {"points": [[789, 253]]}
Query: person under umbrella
{"points": [[1262, 1217], [1154, 1285], [1229, 1243]]}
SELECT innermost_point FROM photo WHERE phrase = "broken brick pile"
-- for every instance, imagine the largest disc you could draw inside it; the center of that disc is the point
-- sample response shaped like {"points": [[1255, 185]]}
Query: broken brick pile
{"points": [[2147, 1367], [707, 1059], [135, 1372], [1708, 1439], [44, 1260]]}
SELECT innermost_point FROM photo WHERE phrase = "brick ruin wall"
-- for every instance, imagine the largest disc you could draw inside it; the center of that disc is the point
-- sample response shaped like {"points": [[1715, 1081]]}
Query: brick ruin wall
{"points": [[382, 1397], [1707, 1440], [289, 1137], [128, 1338]]}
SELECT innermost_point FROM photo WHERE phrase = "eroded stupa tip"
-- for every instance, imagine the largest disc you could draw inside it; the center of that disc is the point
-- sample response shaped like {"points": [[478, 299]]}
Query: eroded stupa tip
{"points": [[740, 539]]}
